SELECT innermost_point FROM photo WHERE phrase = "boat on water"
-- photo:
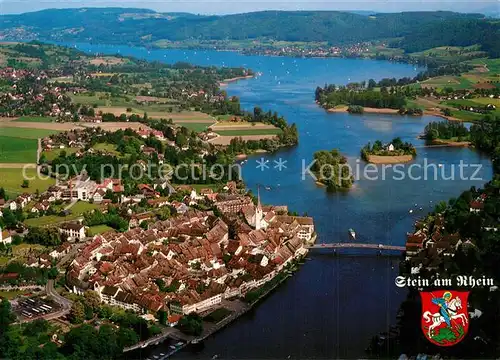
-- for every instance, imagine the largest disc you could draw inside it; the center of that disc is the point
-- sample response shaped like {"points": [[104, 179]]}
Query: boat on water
{"points": [[268, 188], [352, 233]]}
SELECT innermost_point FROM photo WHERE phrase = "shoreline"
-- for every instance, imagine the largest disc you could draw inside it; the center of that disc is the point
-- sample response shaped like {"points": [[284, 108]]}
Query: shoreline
{"points": [[450, 143], [226, 82], [388, 111], [367, 110], [398, 159]]}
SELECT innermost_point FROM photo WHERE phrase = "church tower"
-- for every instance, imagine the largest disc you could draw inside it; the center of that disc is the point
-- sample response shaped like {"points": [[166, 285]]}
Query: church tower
{"points": [[258, 211]]}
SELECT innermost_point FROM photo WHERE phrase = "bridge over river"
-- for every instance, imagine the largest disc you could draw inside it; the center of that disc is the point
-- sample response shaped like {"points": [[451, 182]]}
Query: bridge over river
{"points": [[379, 247]]}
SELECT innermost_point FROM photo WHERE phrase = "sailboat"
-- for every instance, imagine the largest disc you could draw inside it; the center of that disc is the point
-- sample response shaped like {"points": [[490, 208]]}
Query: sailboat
{"points": [[352, 234]]}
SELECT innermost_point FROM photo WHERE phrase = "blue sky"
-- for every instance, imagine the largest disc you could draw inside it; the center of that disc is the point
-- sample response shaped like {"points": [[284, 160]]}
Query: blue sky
{"points": [[235, 6]]}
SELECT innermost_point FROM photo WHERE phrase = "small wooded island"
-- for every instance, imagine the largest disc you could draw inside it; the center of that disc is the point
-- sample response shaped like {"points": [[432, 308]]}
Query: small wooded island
{"points": [[447, 133], [385, 96], [332, 170], [392, 153]]}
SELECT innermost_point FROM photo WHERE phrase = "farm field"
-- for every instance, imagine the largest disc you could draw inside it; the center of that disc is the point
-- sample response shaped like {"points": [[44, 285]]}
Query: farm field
{"points": [[493, 65], [37, 119], [114, 126], [454, 82], [241, 126], [156, 112], [98, 99], [26, 133], [246, 132], [20, 146], [226, 140], [17, 150], [11, 180], [196, 127], [487, 100], [52, 127], [466, 115]]}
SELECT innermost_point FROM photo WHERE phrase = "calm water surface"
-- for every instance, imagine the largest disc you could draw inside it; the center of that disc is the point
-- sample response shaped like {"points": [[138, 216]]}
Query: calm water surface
{"points": [[333, 305]]}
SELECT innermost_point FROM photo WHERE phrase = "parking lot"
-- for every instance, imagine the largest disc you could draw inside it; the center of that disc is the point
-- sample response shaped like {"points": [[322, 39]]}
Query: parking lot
{"points": [[34, 307]]}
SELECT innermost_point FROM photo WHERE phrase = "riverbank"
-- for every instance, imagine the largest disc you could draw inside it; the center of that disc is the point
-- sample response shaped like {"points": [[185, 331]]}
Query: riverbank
{"points": [[451, 143], [238, 307], [368, 110], [399, 159], [226, 82], [388, 111]]}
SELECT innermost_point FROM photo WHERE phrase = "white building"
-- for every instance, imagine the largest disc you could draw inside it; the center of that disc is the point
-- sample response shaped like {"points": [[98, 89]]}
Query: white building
{"points": [[73, 231], [5, 237], [202, 305]]}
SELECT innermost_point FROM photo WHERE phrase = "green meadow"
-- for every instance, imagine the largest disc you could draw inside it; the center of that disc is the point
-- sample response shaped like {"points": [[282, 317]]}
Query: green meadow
{"points": [[39, 119], [16, 150], [12, 179], [26, 133]]}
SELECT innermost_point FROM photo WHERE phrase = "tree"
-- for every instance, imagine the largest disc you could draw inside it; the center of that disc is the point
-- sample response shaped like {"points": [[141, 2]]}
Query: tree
{"points": [[43, 159], [92, 299], [162, 317], [6, 315], [77, 313], [164, 213], [25, 184], [126, 337], [53, 272], [105, 312], [191, 324]]}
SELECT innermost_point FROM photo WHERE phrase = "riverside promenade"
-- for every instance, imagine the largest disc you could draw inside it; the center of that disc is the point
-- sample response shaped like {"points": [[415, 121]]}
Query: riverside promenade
{"points": [[238, 308]]}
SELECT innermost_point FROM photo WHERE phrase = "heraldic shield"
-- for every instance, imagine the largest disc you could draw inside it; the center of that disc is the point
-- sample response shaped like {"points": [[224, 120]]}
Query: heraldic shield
{"points": [[445, 319]]}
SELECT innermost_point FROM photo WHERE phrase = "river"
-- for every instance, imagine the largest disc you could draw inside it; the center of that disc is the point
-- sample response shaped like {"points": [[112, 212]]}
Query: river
{"points": [[333, 305]]}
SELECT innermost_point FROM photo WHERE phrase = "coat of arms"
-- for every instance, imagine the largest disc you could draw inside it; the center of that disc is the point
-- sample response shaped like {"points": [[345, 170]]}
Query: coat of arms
{"points": [[445, 319]]}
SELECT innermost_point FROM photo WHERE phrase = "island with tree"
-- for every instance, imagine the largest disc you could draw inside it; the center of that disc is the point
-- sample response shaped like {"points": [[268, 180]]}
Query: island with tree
{"points": [[332, 170], [357, 98], [447, 133], [394, 152]]}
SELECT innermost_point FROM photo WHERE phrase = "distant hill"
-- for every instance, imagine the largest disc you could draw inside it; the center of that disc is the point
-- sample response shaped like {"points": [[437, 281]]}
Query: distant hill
{"points": [[415, 30]]}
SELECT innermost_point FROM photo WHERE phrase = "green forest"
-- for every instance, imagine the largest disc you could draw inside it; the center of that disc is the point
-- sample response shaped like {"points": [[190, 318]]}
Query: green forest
{"points": [[411, 31]]}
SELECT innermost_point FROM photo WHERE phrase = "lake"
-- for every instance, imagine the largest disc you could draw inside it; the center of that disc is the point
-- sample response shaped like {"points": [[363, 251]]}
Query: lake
{"points": [[333, 305]]}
